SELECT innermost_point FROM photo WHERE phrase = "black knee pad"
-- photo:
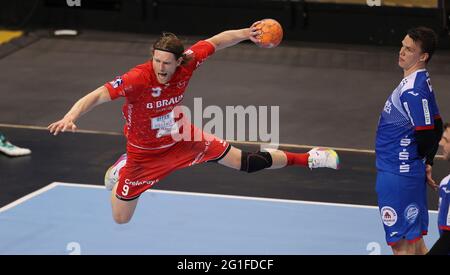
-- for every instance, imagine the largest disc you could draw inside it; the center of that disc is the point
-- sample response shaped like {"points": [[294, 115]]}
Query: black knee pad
{"points": [[252, 162]]}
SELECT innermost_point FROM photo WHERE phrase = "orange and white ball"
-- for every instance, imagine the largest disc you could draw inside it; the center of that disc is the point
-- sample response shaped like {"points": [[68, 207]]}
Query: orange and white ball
{"points": [[272, 33]]}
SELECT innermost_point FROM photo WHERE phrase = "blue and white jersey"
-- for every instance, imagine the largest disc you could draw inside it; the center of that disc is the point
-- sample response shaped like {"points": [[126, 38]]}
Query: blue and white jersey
{"points": [[412, 106], [444, 205]]}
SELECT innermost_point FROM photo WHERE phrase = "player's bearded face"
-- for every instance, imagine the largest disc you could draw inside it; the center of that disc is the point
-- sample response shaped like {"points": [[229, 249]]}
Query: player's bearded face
{"points": [[445, 144], [410, 53], [164, 65]]}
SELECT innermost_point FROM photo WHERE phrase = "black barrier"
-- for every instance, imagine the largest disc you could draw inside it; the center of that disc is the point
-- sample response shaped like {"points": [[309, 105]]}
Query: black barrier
{"points": [[302, 20], [444, 7], [112, 5]]}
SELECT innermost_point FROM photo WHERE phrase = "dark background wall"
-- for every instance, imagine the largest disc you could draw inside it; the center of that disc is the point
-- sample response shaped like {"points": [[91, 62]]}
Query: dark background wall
{"points": [[302, 21]]}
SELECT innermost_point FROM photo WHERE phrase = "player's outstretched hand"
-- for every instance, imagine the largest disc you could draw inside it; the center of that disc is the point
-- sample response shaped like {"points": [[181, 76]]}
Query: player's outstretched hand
{"points": [[255, 32], [62, 125]]}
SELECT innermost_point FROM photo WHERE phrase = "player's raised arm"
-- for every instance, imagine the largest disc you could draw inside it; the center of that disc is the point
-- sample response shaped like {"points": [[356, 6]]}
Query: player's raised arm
{"points": [[82, 106], [232, 37]]}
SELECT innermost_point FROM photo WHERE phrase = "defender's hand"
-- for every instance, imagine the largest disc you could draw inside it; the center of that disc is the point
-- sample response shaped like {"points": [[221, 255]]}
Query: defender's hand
{"points": [[430, 181]]}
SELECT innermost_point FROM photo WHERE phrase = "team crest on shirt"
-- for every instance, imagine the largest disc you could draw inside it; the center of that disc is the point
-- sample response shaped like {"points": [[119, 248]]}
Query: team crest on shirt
{"points": [[116, 83], [388, 215], [156, 91], [411, 213]]}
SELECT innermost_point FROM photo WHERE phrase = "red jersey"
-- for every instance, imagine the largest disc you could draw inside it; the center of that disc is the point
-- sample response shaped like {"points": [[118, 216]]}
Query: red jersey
{"points": [[149, 105]]}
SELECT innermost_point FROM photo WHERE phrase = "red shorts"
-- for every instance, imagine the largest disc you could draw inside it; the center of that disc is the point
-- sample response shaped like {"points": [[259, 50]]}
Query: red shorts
{"points": [[144, 168]]}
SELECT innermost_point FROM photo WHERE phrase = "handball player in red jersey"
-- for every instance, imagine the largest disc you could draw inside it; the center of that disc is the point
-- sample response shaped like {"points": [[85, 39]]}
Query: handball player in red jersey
{"points": [[152, 90]]}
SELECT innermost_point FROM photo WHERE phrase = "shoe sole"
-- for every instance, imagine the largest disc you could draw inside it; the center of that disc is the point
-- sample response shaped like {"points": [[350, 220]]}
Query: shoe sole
{"points": [[336, 156], [108, 177], [109, 173]]}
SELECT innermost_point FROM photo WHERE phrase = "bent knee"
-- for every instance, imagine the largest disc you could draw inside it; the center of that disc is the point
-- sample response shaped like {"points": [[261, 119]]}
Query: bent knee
{"points": [[122, 215], [252, 162], [122, 211], [121, 218]]}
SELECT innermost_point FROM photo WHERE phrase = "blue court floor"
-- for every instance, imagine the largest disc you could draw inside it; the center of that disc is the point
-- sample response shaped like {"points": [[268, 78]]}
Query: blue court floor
{"points": [[76, 219]]}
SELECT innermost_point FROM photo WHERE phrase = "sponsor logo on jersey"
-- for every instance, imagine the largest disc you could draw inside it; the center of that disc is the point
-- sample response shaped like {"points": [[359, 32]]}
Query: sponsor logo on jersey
{"points": [[426, 111], [164, 102], [403, 155], [404, 168], [405, 142], [413, 93], [388, 215], [411, 213], [139, 182]]}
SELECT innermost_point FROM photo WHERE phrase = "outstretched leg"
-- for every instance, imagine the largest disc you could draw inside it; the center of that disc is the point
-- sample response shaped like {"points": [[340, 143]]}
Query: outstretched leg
{"points": [[235, 158], [274, 159]]}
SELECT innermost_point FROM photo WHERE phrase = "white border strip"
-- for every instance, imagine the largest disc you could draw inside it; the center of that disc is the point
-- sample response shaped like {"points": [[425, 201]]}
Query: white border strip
{"points": [[67, 184], [234, 197], [29, 196]]}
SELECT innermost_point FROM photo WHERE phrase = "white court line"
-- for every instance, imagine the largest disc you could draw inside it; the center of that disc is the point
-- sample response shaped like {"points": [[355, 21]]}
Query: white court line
{"points": [[29, 196], [32, 127], [232, 197], [298, 146]]}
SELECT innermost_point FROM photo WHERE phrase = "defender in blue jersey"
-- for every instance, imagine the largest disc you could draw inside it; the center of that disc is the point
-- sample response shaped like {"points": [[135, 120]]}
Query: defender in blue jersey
{"points": [[442, 245], [407, 139]]}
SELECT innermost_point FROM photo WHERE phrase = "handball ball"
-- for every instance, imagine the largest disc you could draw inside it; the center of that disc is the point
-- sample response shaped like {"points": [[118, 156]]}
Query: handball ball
{"points": [[272, 33]]}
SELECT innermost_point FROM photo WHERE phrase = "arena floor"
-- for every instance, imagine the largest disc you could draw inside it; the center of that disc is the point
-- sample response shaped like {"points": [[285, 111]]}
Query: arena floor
{"points": [[328, 95]]}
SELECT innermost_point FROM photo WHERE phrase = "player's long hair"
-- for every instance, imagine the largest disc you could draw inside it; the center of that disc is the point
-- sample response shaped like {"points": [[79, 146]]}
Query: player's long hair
{"points": [[169, 42]]}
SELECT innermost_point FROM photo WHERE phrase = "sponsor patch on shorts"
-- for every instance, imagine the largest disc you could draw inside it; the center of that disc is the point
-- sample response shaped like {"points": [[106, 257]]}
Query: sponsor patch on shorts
{"points": [[388, 215], [411, 213]]}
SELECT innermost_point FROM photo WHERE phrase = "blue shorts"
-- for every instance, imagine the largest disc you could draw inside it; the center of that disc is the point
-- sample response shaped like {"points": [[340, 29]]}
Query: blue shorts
{"points": [[402, 201], [444, 205]]}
